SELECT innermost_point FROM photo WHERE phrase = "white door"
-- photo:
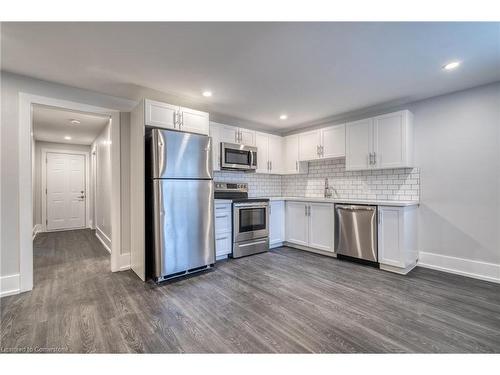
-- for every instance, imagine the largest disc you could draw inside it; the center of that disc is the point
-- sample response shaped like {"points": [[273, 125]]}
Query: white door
{"points": [[275, 152], [261, 141], [389, 140], [194, 121], [291, 162], [309, 145], [276, 222], [321, 228], [297, 227], [358, 145], [65, 182], [159, 114], [333, 141]]}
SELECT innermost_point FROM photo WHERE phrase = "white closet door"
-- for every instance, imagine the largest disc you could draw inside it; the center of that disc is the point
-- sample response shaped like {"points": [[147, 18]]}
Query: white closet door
{"points": [[65, 181]]}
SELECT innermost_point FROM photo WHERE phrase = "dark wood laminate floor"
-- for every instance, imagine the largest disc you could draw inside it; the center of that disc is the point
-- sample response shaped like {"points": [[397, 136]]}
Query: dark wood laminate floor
{"points": [[282, 301]]}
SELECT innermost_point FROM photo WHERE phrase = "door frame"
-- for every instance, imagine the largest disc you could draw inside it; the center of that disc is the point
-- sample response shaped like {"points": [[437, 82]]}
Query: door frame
{"points": [[26, 102], [88, 195]]}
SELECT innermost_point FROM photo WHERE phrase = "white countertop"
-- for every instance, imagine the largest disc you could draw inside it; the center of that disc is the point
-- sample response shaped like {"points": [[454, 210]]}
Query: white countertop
{"points": [[347, 201]]}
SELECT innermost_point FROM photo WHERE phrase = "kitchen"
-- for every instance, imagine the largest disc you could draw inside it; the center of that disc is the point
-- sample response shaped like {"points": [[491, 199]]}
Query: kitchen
{"points": [[294, 199]]}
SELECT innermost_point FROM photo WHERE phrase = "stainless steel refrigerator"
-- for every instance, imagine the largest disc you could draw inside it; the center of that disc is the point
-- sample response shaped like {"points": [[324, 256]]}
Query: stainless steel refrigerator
{"points": [[180, 229]]}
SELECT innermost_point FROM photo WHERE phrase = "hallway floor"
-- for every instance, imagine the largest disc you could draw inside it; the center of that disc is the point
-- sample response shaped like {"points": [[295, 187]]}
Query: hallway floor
{"points": [[285, 300]]}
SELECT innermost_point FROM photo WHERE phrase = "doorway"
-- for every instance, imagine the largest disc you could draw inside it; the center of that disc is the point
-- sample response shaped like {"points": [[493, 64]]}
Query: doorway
{"points": [[30, 179]]}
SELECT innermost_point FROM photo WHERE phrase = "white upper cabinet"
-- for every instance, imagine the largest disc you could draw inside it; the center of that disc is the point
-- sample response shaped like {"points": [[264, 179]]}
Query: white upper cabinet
{"points": [[269, 153], [324, 143], [193, 121], [291, 163], [393, 140], [309, 145], [380, 142], [161, 115], [169, 116], [333, 142], [232, 134], [358, 145]]}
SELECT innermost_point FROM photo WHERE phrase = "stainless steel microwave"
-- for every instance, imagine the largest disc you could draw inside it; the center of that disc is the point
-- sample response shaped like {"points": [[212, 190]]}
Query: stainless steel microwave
{"points": [[238, 157]]}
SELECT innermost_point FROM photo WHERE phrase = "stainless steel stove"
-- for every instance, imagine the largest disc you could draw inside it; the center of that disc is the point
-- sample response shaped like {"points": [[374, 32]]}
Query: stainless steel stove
{"points": [[250, 218]]}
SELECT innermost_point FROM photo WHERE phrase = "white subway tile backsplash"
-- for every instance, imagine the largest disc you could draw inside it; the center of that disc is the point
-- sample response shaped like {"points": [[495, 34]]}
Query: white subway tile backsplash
{"points": [[390, 184]]}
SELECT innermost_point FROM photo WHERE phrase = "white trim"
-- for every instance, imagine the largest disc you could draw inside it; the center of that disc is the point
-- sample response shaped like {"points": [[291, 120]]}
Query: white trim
{"points": [[124, 262], [106, 242], [460, 266], [26, 184], [44, 152], [310, 249], [396, 269], [37, 229], [10, 285]]}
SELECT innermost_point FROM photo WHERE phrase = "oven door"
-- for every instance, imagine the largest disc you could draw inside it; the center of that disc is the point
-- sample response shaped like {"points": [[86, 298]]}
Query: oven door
{"points": [[250, 221], [235, 156]]}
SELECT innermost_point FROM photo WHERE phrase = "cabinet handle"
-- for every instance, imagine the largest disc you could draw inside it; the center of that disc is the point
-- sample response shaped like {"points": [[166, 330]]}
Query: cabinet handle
{"points": [[305, 207], [236, 136], [374, 158], [271, 165], [220, 216], [322, 151], [175, 118], [296, 165], [379, 217], [240, 136], [221, 238]]}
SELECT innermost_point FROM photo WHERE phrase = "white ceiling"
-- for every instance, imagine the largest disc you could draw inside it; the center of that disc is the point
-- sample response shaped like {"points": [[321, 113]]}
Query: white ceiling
{"points": [[258, 71], [53, 124]]}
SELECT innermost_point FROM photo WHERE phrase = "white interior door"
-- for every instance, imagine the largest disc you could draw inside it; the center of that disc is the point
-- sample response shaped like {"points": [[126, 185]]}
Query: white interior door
{"points": [[65, 194]]}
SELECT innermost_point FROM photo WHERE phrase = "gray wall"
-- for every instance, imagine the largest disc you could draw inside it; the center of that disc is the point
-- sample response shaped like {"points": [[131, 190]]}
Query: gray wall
{"points": [[457, 145], [102, 175]]}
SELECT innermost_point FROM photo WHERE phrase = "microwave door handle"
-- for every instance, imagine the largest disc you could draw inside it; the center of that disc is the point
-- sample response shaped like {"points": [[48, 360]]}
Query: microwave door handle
{"points": [[251, 158]]}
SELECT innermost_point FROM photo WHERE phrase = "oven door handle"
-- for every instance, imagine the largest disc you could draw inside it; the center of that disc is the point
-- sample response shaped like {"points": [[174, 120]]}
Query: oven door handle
{"points": [[263, 205]]}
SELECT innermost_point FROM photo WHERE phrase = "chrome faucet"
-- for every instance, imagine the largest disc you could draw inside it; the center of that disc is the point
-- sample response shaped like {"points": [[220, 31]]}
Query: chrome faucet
{"points": [[328, 190]]}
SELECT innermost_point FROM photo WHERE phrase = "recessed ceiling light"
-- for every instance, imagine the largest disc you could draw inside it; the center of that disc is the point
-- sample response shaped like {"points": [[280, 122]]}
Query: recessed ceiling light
{"points": [[75, 122], [283, 117], [207, 93], [67, 138], [451, 65]]}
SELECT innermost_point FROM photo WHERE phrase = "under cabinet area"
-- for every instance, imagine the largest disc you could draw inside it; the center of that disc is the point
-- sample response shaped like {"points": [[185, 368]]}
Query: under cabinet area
{"points": [[168, 116], [310, 224]]}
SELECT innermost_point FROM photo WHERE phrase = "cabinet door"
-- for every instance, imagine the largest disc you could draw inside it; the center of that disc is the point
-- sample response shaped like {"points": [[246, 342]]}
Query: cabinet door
{"points": [[291, 159], [390, 250], [358, 145], [297, 227], [247, 137], [194, 121], [228, 133], [275, 154], [214, 133], [333, 141], [262, 143], [308, 145], [159, 114], [321, 226], [276, 222], [389, 140], [223, 244]]}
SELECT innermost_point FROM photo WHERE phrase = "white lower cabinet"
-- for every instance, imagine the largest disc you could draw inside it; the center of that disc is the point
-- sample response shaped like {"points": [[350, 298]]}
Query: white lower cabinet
{"points": [[397, 238], [321, 228], [223, 229], [310, 224], [276, 223]]}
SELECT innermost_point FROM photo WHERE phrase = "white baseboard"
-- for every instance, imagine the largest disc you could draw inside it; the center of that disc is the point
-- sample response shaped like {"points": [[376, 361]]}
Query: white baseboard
{"points": [[106, 242], [124, 262], [460, 266], [37, 229], [10, 285]]}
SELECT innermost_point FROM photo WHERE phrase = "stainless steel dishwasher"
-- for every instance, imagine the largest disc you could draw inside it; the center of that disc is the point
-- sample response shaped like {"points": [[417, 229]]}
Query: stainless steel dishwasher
{"points": [[356, 231]]}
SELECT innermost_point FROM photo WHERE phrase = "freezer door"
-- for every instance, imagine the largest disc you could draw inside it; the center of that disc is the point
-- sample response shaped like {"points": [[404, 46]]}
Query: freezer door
{"points": [[183, 226], [181, 155]]}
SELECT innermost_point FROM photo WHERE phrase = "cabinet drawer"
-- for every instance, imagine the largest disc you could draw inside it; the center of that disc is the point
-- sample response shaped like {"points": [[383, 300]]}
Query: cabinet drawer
{"points": [[223, 221], [223, 244]]}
